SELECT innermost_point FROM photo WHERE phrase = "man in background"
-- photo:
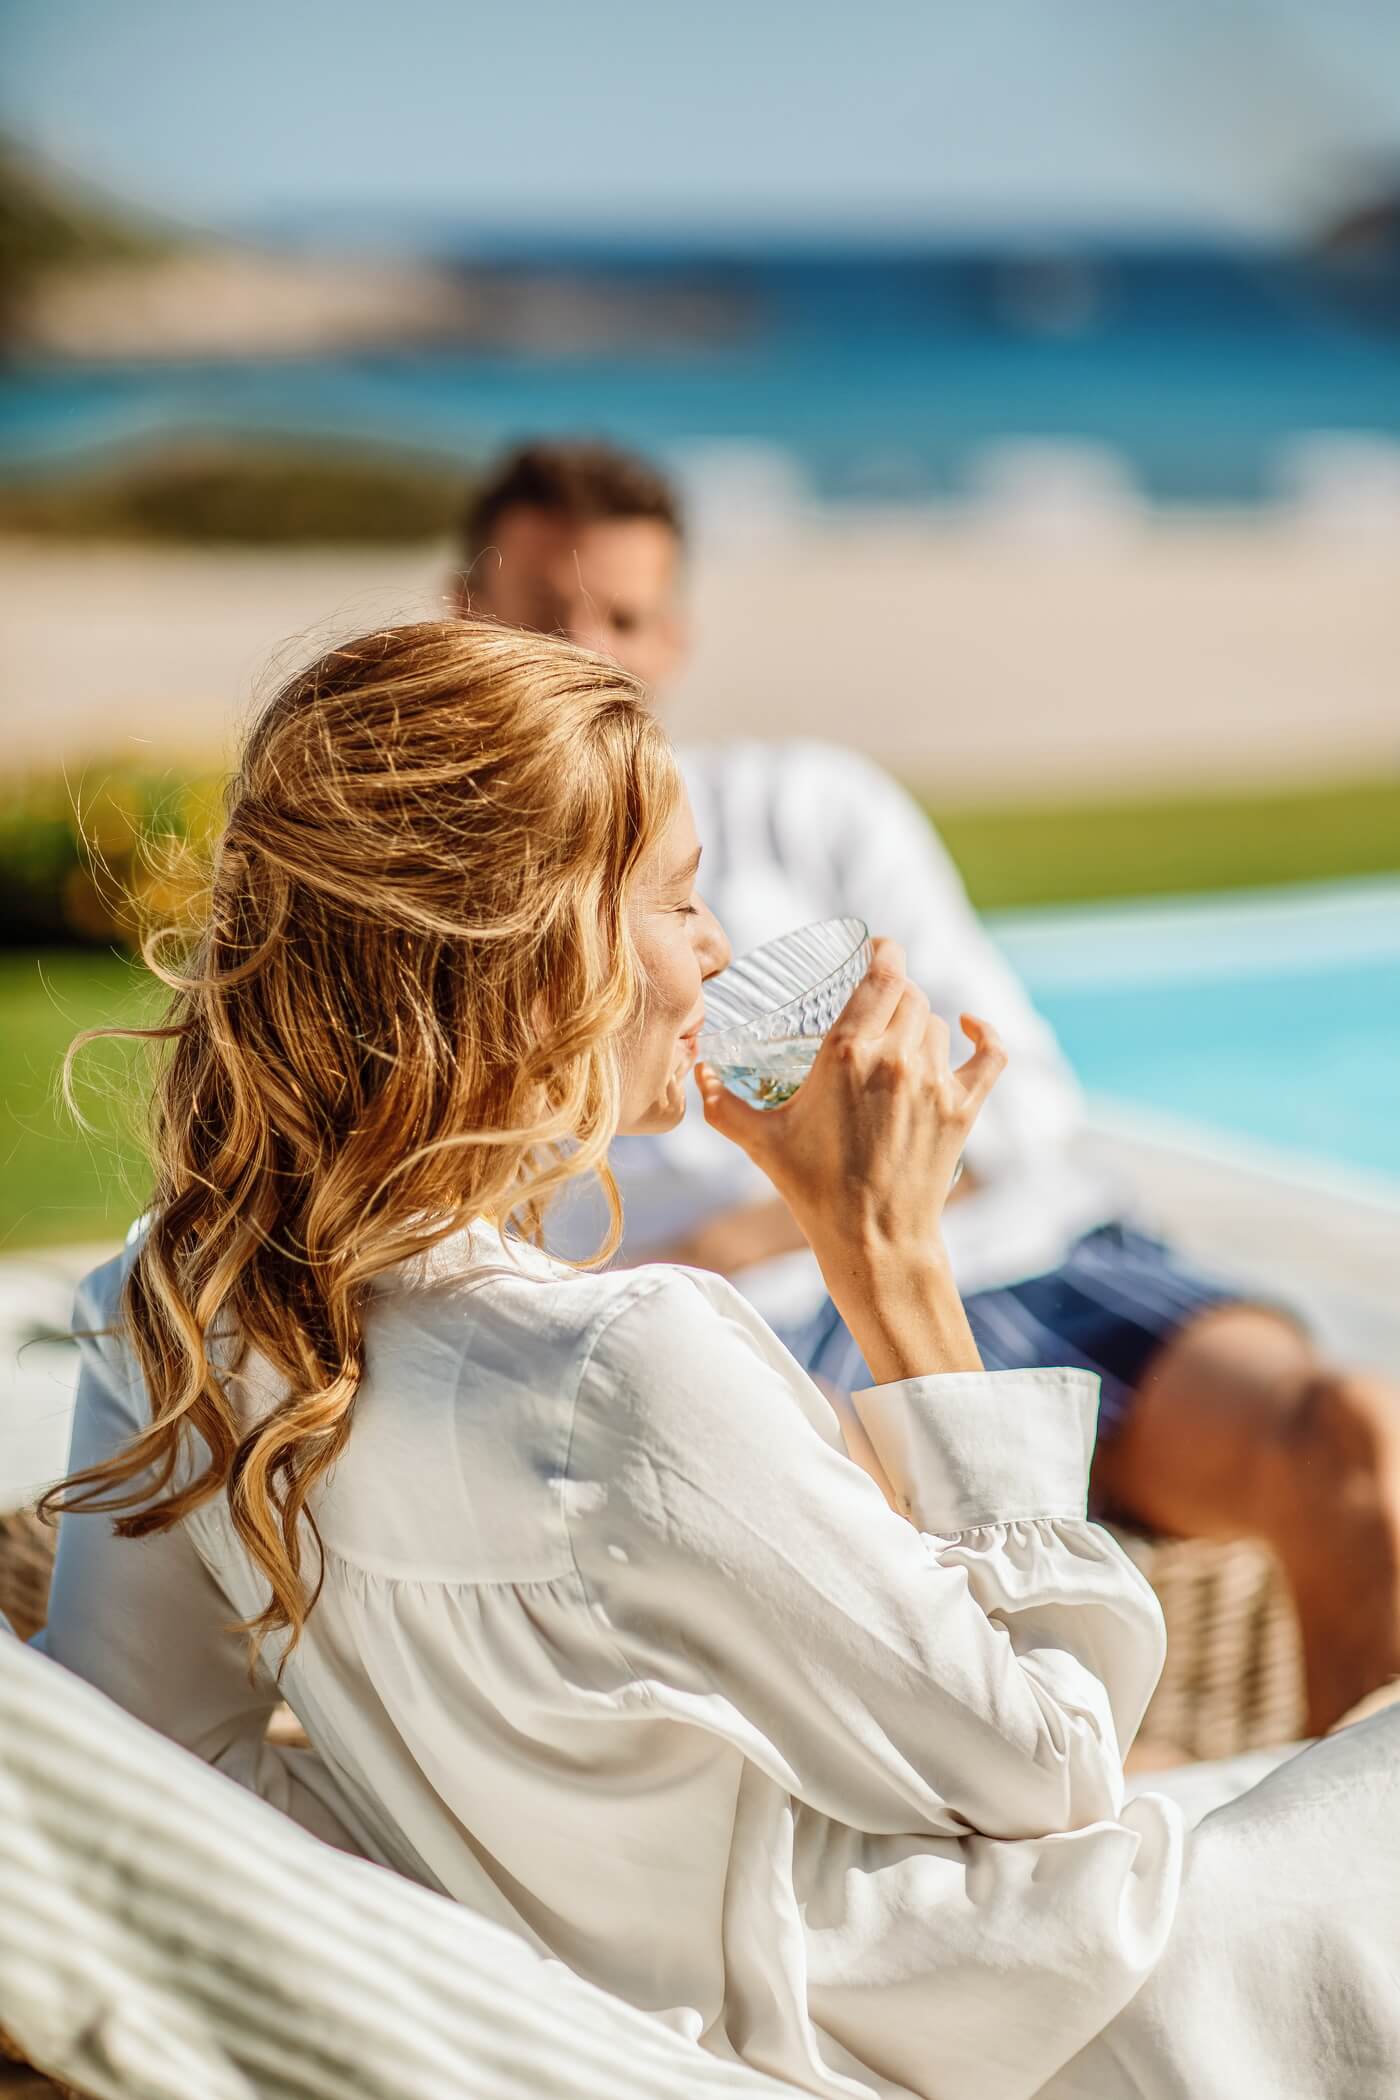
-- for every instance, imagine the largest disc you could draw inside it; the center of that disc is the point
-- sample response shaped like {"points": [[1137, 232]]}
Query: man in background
{"points": [[1217, 1418]]}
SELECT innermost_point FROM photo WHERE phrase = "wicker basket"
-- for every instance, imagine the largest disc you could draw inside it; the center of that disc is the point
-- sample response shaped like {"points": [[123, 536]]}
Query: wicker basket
{"points": [[1233, 1679], [26, 1566]]}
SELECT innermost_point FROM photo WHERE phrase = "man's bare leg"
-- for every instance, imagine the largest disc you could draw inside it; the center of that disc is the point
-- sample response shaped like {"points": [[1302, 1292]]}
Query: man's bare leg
{"points": [[1240, 1429]]}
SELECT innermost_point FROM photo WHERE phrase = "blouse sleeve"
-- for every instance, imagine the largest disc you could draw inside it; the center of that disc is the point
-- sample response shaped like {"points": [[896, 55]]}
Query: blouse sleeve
{"points": [[979, 1665], [144, 1621]]}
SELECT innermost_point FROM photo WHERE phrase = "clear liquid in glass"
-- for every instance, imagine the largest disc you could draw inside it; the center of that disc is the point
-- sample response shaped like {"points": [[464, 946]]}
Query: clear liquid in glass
{"points": [[774, 1071]]}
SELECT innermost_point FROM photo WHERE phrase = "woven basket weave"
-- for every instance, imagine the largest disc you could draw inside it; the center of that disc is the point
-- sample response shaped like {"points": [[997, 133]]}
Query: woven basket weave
{"points": [[26, 1566], [1233, 1679]]}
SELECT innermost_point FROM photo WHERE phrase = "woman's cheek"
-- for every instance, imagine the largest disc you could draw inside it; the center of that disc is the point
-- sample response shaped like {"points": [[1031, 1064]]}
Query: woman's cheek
{"points": [[689, 975], [676, 978]]}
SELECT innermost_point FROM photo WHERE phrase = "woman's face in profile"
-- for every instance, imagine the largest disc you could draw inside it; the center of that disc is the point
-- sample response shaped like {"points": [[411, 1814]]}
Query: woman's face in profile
{"points": [[679, 944]]}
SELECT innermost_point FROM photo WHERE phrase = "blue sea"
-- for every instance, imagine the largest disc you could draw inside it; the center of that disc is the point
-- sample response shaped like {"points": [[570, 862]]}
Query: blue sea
{"points": [[876, 378]]}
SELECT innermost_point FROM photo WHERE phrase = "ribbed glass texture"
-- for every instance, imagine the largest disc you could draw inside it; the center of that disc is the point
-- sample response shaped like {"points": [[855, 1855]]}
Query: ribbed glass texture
{"points": [[766, 1015]]}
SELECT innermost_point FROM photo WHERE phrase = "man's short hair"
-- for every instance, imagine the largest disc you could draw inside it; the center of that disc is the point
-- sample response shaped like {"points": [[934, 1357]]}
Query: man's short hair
{"points": [[583, 480]]}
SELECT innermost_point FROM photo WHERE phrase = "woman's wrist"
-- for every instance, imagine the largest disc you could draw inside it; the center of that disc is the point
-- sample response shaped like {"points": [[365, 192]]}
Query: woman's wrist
{"points": [[881, 1265], [902, 1306]]}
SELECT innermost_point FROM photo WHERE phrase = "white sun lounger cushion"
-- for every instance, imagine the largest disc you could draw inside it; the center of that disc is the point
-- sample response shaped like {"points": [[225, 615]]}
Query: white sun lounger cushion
{"points": [[163, 1935]]}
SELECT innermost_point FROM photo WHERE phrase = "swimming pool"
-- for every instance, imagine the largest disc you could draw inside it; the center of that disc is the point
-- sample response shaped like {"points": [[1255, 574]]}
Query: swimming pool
{"points": [[1273, 1018]]}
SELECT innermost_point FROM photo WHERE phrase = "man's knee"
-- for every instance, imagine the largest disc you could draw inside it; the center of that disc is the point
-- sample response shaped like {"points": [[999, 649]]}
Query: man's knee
{"points": [[1241, 1429], [1339, 1450]]}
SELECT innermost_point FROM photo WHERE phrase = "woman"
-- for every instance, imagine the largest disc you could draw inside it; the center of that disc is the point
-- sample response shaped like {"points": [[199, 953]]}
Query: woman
{"points": [[594, 1617]]}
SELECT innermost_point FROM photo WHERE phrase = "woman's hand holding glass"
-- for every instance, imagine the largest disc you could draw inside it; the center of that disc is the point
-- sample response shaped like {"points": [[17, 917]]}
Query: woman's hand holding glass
{"points": [[865, 1153]]}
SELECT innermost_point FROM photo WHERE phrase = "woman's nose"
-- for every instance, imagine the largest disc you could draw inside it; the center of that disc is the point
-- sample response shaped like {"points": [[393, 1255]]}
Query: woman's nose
{"points": [[713, 944]]}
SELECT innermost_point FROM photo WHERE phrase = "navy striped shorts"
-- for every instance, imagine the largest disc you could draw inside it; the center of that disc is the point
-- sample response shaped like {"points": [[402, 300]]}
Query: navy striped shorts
{"points": [[1116, 1298]]}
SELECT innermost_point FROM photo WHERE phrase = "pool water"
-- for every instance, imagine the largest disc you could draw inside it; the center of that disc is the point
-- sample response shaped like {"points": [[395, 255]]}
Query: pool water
{"points": [[1274, 1019]]}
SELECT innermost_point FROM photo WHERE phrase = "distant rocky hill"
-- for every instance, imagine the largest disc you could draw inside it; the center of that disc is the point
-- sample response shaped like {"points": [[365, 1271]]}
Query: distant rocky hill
{"points": [[49, 226], [80, 280]]}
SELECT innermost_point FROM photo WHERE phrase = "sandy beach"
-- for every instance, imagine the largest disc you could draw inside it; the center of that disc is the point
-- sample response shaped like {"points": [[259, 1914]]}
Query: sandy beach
{"points": [[980, 662]]}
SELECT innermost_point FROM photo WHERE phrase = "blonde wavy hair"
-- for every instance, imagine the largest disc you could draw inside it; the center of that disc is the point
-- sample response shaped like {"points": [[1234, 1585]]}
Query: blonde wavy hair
{"points": [[401, 1014]]}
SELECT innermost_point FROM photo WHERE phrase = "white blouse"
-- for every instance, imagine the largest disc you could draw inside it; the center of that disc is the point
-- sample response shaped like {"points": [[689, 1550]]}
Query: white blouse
{"points": [[619, 1645]]}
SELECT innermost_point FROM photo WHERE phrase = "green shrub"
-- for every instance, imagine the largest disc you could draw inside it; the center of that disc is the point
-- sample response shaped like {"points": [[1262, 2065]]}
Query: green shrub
{"points": [[89, 862], [241, 495]]}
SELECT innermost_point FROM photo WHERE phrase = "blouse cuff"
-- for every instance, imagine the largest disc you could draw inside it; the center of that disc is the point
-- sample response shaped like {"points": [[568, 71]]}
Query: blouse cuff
{"points": [[985, 1447]]}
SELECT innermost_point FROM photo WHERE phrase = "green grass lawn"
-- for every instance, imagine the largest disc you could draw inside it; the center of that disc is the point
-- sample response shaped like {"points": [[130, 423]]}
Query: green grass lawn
{"points": [[1060, 853], [58, 1183]]}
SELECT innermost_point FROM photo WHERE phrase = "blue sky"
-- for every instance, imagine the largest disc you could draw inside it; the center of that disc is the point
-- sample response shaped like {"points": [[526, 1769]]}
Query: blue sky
{"points": [[853, 114]]}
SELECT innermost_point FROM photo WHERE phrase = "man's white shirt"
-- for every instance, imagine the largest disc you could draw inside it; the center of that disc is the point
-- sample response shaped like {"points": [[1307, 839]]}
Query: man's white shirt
{"points": [[794, 832]]}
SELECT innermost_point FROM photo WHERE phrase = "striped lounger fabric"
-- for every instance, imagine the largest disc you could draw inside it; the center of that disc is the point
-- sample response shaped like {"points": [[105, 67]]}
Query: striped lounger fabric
{"points": [[164, 1936]]}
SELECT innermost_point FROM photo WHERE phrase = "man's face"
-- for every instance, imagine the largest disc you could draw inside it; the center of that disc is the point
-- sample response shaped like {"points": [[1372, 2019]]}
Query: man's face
{"points": [[611, 585]]}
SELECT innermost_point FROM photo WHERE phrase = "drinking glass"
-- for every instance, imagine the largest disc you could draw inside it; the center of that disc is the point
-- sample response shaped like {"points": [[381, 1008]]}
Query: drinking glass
{"points": [[766, 1015]]}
